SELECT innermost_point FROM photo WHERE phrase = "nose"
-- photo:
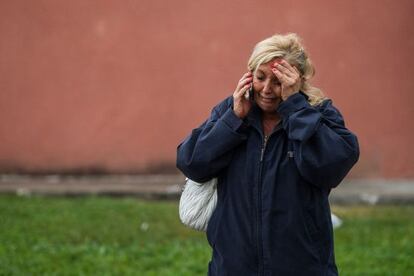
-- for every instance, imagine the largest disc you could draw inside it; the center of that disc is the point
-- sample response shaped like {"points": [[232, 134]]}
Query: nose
{"points": [[267, 87]]}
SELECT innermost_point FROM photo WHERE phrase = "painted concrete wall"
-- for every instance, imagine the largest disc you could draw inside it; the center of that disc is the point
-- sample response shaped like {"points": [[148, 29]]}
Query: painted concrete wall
{"points": [[114, 86]]}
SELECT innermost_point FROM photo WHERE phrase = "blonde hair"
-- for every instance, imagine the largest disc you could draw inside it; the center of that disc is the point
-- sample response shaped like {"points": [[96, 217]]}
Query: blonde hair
{"points": [[288, 47]]}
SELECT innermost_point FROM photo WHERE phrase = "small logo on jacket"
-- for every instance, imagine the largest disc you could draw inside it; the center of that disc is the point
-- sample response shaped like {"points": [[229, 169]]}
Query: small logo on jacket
{"points": [[290, 154]]}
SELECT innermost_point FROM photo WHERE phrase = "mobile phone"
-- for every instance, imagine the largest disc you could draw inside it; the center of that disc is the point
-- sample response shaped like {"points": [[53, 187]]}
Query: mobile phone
{"points": [[251, 93]]}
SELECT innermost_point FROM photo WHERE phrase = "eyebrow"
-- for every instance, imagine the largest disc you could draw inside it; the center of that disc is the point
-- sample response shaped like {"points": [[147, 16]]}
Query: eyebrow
{"points": [[263, 73]]}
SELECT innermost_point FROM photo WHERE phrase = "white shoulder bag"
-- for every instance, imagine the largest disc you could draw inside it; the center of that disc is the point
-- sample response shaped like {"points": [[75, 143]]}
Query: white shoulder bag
{"points": [[197, 203]]}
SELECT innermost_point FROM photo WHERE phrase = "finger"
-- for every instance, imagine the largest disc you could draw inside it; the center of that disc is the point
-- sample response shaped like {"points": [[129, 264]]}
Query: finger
{"points": [[242, 88], [246, 75], [284, 78], [290, 81], [276, 62], [279, 74], [245, 88], [296, 70], [291, 70], [298, 73], [285, 70], [295, 75], [249, 76], [287, 65], [242, 83], [282, 68], [241, 91], [290, 77]]}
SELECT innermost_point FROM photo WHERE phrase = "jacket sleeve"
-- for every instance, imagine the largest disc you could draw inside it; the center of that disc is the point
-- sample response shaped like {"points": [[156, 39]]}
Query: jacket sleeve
{"points": [[324, 149], [208, 149]]}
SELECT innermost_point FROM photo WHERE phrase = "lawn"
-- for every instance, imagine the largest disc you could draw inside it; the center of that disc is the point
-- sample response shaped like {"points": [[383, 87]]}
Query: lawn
{"points": [[126, 236]]}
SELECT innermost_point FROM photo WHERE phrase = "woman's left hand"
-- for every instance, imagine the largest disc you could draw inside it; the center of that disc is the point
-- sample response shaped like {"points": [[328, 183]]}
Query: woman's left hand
{"points": [[289, 77]]}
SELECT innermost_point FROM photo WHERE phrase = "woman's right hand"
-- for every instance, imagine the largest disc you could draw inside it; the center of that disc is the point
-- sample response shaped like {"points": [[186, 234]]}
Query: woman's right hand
{"points": [[241, 104]]}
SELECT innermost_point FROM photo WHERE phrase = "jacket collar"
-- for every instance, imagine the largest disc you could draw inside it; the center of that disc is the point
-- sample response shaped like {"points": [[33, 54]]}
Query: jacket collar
{"points": [[254, 119]]}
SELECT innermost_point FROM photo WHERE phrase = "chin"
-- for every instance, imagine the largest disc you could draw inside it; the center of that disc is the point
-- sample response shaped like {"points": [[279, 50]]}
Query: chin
{"points": [[268, 107]]}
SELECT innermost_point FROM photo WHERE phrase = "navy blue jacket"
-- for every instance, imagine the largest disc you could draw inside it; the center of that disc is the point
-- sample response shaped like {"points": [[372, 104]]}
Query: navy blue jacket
{"points": [[272, 215]]}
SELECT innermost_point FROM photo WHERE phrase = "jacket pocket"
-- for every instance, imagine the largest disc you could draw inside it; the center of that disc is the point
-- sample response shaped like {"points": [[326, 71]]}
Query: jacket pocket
{"points": [[311, 225], [319, 240]]}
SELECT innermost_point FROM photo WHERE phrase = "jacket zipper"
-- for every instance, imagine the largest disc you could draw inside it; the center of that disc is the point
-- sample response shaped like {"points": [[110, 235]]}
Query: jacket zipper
{"points": [[259, 207], [266, 138]]}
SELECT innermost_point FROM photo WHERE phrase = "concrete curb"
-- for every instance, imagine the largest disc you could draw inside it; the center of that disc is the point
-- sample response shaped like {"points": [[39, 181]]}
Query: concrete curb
{"points": [[374, 191], [162, 187], [141, 186]]}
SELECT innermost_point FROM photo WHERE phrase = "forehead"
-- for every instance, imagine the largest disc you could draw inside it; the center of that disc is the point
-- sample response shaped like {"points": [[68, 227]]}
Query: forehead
{"points": [[265, 68]]}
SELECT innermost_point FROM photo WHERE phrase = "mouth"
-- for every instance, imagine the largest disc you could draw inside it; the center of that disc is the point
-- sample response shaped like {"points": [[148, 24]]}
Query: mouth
{"points": [[267, 99]]}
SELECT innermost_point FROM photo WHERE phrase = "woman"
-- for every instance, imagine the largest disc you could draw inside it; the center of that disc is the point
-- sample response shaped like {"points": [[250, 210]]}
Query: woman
{"points": [[277, 154]]}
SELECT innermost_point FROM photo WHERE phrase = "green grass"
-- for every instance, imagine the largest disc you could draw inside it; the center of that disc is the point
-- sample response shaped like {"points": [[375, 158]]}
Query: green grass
{"points": [[375, 240], [106, 236]]}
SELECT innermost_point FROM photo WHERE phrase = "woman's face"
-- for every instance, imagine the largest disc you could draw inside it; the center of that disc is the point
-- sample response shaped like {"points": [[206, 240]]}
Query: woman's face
{"points": [[267, 88]]}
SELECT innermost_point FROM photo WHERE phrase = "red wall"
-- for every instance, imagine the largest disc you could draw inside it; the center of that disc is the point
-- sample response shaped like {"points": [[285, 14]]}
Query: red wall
{"points": [[114, 86]]}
